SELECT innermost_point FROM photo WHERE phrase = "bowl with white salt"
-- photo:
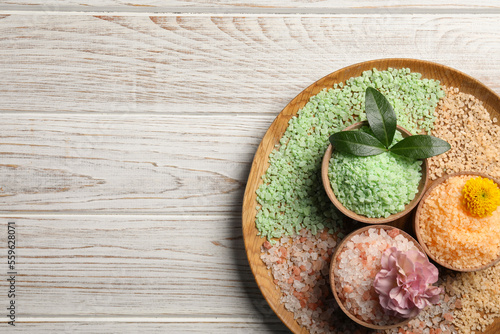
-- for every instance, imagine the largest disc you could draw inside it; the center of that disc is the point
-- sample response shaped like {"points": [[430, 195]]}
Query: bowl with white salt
{"points": [[374, 189], [381, 277]]}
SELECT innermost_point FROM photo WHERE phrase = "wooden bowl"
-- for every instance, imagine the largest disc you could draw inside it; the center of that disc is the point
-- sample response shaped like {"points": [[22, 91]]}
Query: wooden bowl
{"points": [[351, 214], [416, 223], [253, 241], [333, 265]]}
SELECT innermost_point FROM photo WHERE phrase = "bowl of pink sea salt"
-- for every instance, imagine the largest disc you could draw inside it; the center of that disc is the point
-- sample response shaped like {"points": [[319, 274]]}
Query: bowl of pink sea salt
{"points": [[381, 277], [458, 221]]}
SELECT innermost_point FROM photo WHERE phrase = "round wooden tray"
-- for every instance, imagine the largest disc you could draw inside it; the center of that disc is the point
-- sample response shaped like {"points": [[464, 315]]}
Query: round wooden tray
{"points": [[418, 211], [253, 242]]}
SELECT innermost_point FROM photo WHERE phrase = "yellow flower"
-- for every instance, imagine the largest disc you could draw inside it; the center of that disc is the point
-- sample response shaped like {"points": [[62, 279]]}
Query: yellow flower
{"points": [[481, 196]]}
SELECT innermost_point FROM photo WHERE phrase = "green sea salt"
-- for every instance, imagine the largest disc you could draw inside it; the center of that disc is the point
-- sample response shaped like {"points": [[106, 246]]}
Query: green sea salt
{"points": [[374, 186], [292, 195]]}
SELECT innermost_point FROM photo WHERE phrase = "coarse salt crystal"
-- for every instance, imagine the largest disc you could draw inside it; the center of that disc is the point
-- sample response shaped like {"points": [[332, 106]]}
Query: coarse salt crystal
{"points": [[357, 260]]}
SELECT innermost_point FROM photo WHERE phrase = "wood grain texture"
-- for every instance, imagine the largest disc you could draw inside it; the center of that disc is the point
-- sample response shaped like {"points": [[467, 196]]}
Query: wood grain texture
{"points": [[142, 129], [255, 5], [96, 327], [217, 64], [253, 243], [126, 163], [132, 267]]}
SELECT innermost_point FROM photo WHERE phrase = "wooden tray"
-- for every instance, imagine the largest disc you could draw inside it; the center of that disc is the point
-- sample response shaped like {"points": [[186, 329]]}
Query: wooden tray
{"points": [[446, 75]]}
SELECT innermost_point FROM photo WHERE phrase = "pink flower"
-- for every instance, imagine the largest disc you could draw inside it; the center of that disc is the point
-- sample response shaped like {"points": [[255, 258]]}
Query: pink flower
{"points": [[404, 283]]}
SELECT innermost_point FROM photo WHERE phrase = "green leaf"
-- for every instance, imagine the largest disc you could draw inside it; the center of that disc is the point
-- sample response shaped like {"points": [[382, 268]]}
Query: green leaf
{"points": [[380, 116], [420, 147], [357, 142]]}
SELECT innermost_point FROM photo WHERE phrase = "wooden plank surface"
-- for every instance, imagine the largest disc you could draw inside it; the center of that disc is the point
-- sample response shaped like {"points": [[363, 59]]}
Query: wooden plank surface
{"points": [[126, 141], [134, 266], [255, 5], [126, 163], [98, 327], [217, 64], [82, 273]]}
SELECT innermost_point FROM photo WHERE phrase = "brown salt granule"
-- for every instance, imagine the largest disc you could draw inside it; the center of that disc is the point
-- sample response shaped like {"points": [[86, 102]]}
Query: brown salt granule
{"points": [[479, 294], [452, 234], [465, 124]]}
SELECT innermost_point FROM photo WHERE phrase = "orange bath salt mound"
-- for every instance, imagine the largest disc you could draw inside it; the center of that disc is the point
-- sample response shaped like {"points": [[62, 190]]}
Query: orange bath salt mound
{"points": [[452, 234]]}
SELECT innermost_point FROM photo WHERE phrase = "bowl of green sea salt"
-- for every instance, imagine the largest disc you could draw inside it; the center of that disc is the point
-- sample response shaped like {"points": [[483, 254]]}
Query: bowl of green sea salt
{"points": [[374, 189]]}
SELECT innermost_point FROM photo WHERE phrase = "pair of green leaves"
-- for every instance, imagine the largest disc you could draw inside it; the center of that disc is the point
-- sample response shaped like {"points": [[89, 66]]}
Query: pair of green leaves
{"points": [[382, 120]]}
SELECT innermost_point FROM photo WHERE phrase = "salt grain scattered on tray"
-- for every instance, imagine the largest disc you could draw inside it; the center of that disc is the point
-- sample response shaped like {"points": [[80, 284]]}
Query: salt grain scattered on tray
{"points": [[462, 121], [291, 196], [468, 295], [479, 299], [300, 267]]}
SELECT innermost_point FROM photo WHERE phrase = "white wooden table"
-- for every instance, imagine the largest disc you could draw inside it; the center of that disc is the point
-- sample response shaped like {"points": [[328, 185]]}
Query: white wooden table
{"points": [[127, 130]]}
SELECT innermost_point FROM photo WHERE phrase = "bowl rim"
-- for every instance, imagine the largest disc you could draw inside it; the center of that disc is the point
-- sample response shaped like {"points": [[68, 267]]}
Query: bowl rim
{"points": [[422, 186], [333, 262], [416, 225]]}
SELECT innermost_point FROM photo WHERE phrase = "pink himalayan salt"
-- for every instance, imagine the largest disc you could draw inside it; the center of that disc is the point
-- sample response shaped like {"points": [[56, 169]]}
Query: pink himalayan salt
{"points": [[301, 272], [357, 265]]}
